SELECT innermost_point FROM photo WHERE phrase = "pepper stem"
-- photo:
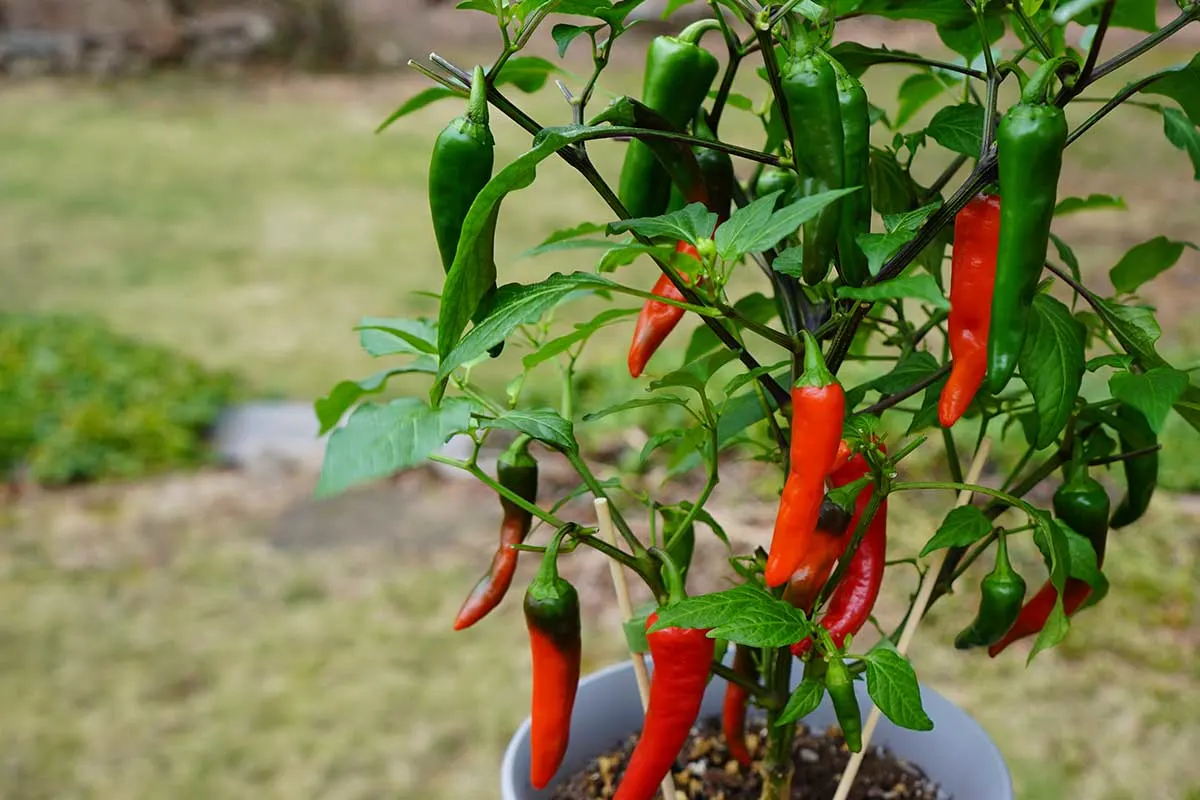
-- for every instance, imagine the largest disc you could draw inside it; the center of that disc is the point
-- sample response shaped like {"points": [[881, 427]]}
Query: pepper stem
{"points": [[816, 374], [1037, 90], [692, 33], [547, 573], [1003, 565], [517, 454], [672, 577], [477, 105]]}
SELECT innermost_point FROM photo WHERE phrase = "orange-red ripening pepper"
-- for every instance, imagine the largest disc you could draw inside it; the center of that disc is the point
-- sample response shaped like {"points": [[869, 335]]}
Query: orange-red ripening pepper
{"points": [[818, 410], [972, 278], [853, 599], [829, 542], [657, 320]]}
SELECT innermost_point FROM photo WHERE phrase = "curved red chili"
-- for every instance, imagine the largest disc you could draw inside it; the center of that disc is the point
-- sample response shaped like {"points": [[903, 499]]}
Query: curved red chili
{"points": [[657, 320], [682, 659], [818, 410], [853, 599], [733, 713], [516, 470], [972, 278], [1037, 610]]}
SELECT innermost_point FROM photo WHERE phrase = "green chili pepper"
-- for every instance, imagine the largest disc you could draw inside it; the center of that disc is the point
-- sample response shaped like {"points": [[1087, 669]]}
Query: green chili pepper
{"points": [[1082, 503], [855, 208], [1001, 593], [775, 179], [810, 87], [845, 702], [678, 76], [1029, 141], [461, 165], [1141, 473]]}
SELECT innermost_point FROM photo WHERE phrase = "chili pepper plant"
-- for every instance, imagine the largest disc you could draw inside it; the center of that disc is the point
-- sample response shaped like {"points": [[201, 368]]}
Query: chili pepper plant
{"points": [[875, 312]]}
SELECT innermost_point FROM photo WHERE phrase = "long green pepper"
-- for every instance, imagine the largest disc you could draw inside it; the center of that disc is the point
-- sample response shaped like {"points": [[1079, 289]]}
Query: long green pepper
{"points": [[461, 165], [1001, 593], [855, 215], [1029, 141], [679, 73], [1141, 473], [810, 88]]}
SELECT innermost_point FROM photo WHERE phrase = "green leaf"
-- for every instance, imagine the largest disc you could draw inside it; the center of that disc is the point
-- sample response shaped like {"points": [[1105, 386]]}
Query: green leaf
{"points": [[329, 409], [474, 270], [917, 287], [745, 614], [527, 73], [1051, 364], [1144, 261], [1093, 202], [892, 187], [909, 220], [1136, 14], [1054, 631], [564, 34], [790, 262], [635, 634], [1117, 360], [1051, 538], [892, 684], [1084, 565], [691, 224], [754, 306], [750, 235], [1067, 255], [1181, 132], [804, 700], [962, 527], [943, 13], [966, 41], [543, 424], [486, 6], [583, 330], [378, 440], [381, 336], [958, 128], [639, 402], [1135, 328], [625, 254], [901, 228], [565, 234], [856, 58], [915, 92], [1181, 84], [1152, 392], [516, 305], [417, 102]]}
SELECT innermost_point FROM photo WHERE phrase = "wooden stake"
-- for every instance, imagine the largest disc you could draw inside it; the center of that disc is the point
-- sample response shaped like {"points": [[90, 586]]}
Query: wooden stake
{"points": [[604, 518], [910, 627]]}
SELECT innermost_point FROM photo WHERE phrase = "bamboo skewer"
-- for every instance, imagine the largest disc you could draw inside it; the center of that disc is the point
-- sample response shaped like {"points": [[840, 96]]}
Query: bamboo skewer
{"points": [[604, 518], [910, 627]]}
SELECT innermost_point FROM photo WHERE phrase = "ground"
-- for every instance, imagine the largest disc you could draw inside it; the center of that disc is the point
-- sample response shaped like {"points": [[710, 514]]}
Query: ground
{"points": [[223, 635]]}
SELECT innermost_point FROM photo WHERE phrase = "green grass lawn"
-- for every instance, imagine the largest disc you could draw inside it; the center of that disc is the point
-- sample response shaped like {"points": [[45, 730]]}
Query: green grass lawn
{"points": [[178, 654]]}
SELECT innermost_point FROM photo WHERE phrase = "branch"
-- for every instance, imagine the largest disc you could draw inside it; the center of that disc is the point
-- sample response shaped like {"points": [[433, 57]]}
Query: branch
{"points": [[1146, 44], [1119, 98], [902, 395]]}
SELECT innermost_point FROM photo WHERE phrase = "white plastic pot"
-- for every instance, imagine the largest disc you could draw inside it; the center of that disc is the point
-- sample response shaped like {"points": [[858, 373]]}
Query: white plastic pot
{"points": [[957, 754]]}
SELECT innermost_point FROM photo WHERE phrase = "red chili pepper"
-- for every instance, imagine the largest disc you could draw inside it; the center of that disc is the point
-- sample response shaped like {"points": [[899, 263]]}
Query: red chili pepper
{"points": [[818, 410], [852, 600], [1037, 610], [972, 278], [733, 714], [682, 659], [516, 470], [552, 616], [657, 320], [828, 544]]}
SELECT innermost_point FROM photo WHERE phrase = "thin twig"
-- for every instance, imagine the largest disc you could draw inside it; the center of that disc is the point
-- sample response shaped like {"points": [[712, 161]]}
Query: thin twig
{"points": [[899, 397], [604, 518], [910, 628]]}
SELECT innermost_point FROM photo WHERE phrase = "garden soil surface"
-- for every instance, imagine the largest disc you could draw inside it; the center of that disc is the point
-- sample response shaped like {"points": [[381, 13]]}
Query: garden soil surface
{"points": [[704, 770]]}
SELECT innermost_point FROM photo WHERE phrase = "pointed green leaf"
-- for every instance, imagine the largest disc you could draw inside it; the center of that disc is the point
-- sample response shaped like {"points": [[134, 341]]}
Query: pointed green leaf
{"points": [[1152, 392], [1144, 261], [544, 424], [892, 684], [1051, 364]]}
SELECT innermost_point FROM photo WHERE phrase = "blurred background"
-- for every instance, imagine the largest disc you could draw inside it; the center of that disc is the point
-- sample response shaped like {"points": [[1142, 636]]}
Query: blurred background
{"points": [[194, 212]]}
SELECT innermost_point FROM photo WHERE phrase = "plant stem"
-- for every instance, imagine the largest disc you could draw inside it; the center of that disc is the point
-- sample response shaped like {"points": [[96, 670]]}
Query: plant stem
{"points": [[959, 486], [1191, 14], [1118, 99], [778, 767], [1142, 451], [953, 462], [765, 331], [1032, 30], [898, 58], [899, 397], [734, 677], [494, 485], [585, 474]]}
